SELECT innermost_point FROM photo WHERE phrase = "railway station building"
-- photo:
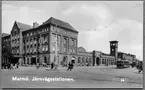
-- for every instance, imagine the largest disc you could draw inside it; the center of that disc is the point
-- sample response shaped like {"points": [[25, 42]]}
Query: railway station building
{"points": [[55, 41]]}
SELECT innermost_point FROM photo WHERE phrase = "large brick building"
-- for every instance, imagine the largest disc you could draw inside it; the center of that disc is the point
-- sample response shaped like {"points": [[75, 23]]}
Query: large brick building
{"points": [[45, 43], [55, 41]]}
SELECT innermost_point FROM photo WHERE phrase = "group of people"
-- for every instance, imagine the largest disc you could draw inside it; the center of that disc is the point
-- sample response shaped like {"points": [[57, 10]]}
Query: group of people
{"points": [[11, 66], [140, 67], [55, 66]]}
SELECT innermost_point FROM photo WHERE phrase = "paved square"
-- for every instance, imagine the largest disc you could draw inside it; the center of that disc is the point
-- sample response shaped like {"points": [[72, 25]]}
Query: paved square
{"points": [[84, 77]]}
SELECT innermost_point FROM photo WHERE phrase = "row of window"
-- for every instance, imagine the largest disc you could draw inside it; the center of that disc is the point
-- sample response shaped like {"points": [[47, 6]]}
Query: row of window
{"points": [[104, 61], [62, 31], [65, 49], [113, 44], [30, 43], [5, 60], [42, 40], [35, 32], [15, 43], [33, 49], [27, 46], [72, 50], [65, 41], [45, 48], [30, 50], [28, 61], [6, 40], [83, 60], [15, 32], [15, 37], [15, 51]]}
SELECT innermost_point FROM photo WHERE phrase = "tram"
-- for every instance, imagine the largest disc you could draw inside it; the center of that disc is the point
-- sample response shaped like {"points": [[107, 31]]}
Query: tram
{"points": [[123, 64]]}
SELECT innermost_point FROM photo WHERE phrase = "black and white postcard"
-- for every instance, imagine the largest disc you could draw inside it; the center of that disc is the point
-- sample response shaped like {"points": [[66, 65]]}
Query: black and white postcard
{"points": [[72, 44]]}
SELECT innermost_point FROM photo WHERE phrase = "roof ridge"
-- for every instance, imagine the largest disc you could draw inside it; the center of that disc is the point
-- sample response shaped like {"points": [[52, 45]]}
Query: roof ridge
{"points": [[58, 19], [17, 24], [60, 23], [22, 23], [23, 26]]}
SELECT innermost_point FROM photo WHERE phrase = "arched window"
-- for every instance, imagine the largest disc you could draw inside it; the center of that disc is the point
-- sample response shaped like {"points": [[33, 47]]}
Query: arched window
{"points": [[83, 60], [102, 61], [79, 60], [90, 60], [87, 60]]}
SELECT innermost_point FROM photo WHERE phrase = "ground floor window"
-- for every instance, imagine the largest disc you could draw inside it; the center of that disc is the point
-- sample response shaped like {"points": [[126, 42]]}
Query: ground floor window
{"points": [[79, 60]]}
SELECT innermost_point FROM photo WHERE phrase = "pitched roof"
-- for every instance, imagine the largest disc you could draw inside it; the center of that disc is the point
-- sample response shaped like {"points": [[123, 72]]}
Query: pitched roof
{"points": [[5, 34], [23, 26], [59, 23]]}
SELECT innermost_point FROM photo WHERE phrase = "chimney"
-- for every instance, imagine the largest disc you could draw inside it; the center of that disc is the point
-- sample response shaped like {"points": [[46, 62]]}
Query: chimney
{"points": [[35, 24]]}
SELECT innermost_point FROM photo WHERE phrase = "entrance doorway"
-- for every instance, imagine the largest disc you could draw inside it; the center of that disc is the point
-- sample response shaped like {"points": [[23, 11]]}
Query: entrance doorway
{"points": [[98, 61], [73, 60], [45, 60], [33, 61]]}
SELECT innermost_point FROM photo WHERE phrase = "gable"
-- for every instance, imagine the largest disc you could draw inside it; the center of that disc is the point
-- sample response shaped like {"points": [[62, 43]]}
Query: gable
{"points": [[15, 28]]}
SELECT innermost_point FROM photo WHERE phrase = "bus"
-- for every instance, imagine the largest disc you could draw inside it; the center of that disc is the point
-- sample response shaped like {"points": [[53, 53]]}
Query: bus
{"points": [[123, 64]]}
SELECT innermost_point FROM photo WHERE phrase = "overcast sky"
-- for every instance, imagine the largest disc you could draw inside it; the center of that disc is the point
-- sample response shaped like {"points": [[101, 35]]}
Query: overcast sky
{"points": [[98, 22]]}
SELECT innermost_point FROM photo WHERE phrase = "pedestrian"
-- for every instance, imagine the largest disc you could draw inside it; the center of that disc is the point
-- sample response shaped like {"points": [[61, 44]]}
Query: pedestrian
{"points": [[9, 66], [70, 66], [56, 65], [137, 66], [37, 65], [131, 65], [17, 65], [140, 68], [52, 65]]}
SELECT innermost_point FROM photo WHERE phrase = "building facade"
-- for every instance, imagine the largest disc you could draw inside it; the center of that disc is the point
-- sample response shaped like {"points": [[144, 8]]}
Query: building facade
{"points": [[127, 56], [6, 48], [45, 43], [55, 41]]}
